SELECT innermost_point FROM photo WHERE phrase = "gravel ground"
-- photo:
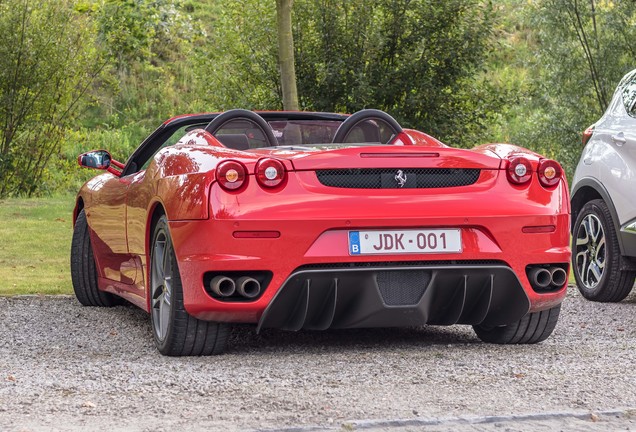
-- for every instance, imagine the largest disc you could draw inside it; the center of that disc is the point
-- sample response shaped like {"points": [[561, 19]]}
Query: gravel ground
{"points": [[68, 367]]}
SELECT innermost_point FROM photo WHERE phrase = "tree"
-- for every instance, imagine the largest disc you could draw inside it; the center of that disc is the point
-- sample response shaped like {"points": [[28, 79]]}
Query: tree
{"points": [[286, 54], [147, 44], [237, 63], [416, 59], [576, 53], [47, 63], [586, 46]]}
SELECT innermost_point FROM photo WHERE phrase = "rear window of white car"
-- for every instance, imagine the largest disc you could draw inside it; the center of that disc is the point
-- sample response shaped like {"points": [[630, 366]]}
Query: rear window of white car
{"points": [[629, 96]]}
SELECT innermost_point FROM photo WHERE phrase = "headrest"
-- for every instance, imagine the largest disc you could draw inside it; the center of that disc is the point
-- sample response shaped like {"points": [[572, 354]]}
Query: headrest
{"points": [[234, 141]]}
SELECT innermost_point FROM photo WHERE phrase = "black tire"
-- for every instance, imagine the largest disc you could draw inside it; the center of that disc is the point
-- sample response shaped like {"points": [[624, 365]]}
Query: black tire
{"points": [[596, 256], [176, 333], [533, 328], [83, 269]]}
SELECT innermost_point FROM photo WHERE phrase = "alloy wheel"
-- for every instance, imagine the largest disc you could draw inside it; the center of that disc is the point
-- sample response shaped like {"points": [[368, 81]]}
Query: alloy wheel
{"points": [[161, 285], [591, 253]]}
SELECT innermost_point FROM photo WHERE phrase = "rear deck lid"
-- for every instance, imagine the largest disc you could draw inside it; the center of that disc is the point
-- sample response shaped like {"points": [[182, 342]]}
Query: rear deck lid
{"points": [[386, 156]]}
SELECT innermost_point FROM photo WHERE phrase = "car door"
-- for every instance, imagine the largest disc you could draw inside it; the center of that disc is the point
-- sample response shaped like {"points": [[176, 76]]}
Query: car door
{"points": [[620, 175], [106, 215], [140, 193]]}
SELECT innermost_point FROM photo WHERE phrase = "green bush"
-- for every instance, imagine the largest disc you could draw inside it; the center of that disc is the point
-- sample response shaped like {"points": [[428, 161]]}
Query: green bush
{"points": [[47, 63], [64, 174], [465, 71]]}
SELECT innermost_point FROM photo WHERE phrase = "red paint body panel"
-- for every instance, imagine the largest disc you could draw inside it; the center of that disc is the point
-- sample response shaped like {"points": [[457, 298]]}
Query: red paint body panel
{"points": [[491, 230], [313, 219], [348, 157], [422, 139]]}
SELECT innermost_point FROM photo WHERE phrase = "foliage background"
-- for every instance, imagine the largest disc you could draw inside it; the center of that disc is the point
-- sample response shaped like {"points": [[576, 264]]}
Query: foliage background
{"points": [[532, 72]]}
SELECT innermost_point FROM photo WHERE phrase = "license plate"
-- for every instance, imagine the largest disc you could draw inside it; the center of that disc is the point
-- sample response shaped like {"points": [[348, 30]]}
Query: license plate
{"points": [[405, 241]]}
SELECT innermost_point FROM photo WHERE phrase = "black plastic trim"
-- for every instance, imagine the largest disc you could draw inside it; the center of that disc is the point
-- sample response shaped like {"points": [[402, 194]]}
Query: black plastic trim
{"points": [[628, 240], [385, 178], [318, 299], [240, 114], [361, 116]]}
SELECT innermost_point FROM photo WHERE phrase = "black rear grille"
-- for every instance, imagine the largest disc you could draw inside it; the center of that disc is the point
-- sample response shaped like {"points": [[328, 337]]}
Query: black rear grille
{"points": [[400, 288], [391, 178]]}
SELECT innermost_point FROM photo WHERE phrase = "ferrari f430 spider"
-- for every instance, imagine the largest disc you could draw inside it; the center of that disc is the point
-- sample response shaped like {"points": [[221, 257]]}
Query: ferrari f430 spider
{"points": [[314, 221]]}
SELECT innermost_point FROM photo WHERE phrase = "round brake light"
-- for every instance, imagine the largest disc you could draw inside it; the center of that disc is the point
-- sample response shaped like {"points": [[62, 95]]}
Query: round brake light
{"points": [[270, 172], [519, 170], [550, 172], [230, 175]]}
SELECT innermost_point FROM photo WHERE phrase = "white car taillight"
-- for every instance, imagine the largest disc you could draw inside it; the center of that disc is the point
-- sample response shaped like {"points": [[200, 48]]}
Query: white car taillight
{"points": [[270, 172], [519, 170]]}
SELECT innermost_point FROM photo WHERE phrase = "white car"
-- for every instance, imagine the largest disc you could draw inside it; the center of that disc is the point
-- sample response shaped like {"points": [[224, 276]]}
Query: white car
{"points": [[604, 201]]}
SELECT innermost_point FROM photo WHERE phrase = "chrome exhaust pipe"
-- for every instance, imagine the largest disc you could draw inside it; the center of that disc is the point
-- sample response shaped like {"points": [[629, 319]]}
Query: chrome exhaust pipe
{"points": [[558, 276], [540, 278], [223, 286], [248, 287]]}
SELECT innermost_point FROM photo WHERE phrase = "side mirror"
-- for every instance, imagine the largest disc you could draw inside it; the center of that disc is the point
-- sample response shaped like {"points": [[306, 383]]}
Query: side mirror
{"points": [[96, 159]]}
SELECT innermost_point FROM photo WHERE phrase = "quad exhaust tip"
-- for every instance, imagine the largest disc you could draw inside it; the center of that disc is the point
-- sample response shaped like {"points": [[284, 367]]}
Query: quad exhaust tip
{"points": [[248, 287], [245, 286], [223, 286], [540, 278], [559, 277], [543, 278]]}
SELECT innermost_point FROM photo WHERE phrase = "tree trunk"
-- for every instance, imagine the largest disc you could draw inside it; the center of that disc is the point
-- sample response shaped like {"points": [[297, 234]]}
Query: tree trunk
{"points": [[286, 54]]}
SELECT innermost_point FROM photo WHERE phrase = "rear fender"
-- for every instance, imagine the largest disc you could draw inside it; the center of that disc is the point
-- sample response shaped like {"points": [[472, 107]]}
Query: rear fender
{"points": [[507, 151], [185, 196], [588, 189]]}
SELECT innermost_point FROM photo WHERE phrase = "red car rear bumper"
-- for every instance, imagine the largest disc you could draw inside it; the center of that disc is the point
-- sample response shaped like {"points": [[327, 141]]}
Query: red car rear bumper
{"points": [[492, 232]]}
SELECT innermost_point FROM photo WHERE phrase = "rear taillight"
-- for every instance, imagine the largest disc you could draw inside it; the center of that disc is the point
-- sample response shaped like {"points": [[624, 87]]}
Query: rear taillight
{"points": [[270, 172], [231, 175], [550, 172], [587, 134], [519, 170]]}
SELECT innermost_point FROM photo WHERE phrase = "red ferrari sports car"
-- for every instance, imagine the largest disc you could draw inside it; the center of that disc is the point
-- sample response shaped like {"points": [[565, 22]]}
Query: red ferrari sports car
{"points": [[299, 220]]}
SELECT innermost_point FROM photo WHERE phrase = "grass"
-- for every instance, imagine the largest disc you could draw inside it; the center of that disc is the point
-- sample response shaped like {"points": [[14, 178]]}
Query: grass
{"points": [[35, 242]]}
